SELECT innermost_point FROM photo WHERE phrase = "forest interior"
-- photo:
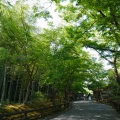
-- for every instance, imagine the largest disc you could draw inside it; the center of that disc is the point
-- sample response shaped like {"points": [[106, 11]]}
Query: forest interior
{"points": [[45, 62]]}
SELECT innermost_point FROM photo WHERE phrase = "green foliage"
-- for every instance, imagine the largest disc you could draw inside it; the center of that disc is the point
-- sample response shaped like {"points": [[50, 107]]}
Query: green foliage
{"points": [[95, 24], [113, 85], [38, 96], [55, 56], [114, 88], [3, 104]]}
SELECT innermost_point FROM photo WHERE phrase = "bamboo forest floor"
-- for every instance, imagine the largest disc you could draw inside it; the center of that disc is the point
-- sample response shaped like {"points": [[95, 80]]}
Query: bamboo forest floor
{"points": [[87, 110], [11, 108]]}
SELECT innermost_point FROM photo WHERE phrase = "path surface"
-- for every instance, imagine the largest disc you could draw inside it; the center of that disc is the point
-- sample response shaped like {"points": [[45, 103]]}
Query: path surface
{"points": [[87, 110]]}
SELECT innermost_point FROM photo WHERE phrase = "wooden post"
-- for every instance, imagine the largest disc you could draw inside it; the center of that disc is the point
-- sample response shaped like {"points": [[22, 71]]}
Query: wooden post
{"points": [[25, 115], [1, 117]]}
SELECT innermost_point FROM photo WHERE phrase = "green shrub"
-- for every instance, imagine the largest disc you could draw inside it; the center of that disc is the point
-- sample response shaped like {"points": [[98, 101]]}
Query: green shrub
{"points": [[38, 96]]}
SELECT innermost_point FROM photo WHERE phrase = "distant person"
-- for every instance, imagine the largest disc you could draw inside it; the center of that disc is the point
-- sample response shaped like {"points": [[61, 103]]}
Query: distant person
{"points": [[89, 96], [84, 96]]}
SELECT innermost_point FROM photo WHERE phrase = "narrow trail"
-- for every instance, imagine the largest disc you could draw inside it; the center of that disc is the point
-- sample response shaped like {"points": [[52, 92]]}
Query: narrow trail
{"points": [[87, 110]]}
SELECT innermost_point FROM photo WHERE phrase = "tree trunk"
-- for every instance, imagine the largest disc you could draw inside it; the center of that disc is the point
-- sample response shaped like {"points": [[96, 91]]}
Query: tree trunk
{"points": [[21, 92], [9, 90], [53, 95], [33, 89], [17, 86], [1, 79], [66, 99], [28, 91], [12, 72], [31, 73], [20, 95], [117, 77], [4, 80]]}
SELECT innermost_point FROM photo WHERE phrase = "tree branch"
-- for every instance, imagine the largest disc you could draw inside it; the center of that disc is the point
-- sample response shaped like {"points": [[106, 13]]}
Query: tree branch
{"points": [[104, 57], [103, 15], [114, 18], [103, 49]]}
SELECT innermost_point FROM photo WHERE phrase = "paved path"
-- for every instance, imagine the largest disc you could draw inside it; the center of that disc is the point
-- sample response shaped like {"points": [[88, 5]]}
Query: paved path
{"points": [[87, 110]]}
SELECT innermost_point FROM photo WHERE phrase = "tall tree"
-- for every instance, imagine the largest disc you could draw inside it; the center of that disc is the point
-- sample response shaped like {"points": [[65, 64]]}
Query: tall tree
{"points": [[96, 25], [26, 49]]}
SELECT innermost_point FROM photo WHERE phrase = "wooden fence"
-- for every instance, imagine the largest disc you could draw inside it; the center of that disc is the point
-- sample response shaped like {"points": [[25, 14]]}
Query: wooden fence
{"points": [[114, 104], [106, 99], [34, 114]]}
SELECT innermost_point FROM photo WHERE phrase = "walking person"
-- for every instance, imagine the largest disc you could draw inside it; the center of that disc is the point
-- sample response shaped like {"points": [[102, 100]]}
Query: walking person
{"points": [[89, 96]]}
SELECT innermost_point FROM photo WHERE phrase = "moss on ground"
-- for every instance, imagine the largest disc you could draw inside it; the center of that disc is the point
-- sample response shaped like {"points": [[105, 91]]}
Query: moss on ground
{"points": [[10, 108]]}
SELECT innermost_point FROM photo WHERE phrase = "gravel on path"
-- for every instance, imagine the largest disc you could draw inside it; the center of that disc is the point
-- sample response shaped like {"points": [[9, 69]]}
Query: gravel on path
{"points": [[87, 110]]}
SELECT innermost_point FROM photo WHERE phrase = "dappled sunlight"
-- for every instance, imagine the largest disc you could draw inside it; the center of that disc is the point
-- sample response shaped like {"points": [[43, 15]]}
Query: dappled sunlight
{"points": [[82, 101], [88, 110], [86, 116], [14, 108]]}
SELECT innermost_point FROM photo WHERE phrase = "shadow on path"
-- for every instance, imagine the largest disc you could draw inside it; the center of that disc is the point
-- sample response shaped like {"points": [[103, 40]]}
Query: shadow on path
{"points": [[87, 110]]}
